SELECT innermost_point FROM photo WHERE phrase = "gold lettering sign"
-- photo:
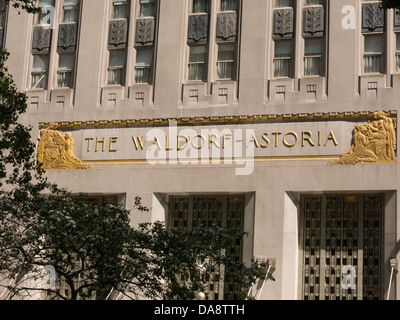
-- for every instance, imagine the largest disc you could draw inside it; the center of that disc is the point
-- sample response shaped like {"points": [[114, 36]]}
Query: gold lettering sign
{"points": [[371, 142], [374, 142], [55, 151], [289, 140]]}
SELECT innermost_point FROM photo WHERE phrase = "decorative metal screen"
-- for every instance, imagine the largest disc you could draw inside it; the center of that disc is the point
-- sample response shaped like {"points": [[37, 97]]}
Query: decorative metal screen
{"points": [[341, 241], [227, 211]]}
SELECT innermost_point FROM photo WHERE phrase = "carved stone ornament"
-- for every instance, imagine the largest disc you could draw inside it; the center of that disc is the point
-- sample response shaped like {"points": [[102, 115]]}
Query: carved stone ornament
{"points": [[313, 21], [198, 28], [144, 31], [67, 34], [41, 39], [226, 26], [283, 23], [55, 151], [374, 142], [373, 17], [117, 34]]}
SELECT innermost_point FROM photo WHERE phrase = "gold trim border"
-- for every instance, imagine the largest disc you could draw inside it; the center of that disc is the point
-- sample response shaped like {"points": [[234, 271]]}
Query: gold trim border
{"points": [[240, 119], [210, 160]]}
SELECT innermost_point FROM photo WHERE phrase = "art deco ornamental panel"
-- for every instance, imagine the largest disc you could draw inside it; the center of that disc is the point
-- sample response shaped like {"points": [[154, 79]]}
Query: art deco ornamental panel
{"points": [[313, 21], [198, 28], [283, 23], [226, 26], [144, 31], [67, 36], [373, 18], [341, 240], [118, 33], [41, 39], [189, 212]]}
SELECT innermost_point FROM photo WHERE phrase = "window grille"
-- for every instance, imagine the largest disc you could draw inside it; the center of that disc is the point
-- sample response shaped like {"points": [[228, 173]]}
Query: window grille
{"points": [[71, 11], [144, 61], [373, 51], [283, 3], [225, 61], [313, 56], [228, 5], [197, 62], [147, 8], [200, 6], [39, 71], [341, 238], [120, 9], [65, 70], [116, 67], [283, 58], [189, 212]]}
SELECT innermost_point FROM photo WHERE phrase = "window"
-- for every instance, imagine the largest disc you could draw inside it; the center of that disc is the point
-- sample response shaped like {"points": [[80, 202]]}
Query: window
{"points": [[341, 233], [187, 213], [228, 5], [313, 2], [197, 63], [71, 11], [65, 70], [398, 52], [373, 51], [45, 6], [120, 9], [40, 66], [147, 8], [283, 3], [199, 6], [212, 38], [225, 60], [116, 66], [3, 15], [283, 58], [144, 61], [312, 56]]}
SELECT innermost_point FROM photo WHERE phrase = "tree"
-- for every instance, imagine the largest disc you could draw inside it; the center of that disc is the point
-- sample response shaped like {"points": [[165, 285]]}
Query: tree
{"points": [[16, 147], [390, 4], [25, 5], [92, 249]]}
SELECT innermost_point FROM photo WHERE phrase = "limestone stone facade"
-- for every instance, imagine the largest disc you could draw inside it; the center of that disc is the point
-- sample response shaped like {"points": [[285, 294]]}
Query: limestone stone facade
{"points": [[301, 74]]}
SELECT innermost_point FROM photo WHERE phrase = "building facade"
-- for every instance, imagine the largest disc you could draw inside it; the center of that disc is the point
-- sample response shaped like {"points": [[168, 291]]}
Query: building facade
{"points": [[279, 116]]}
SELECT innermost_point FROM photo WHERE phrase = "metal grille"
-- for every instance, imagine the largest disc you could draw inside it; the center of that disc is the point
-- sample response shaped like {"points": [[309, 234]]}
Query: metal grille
{"points": [[312, 241], [372, 254], [188, 212], [341, 240]]}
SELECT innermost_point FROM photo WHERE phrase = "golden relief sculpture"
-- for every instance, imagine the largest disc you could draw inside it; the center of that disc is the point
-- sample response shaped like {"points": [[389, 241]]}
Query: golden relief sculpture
{"points": [[374, 142], [56, 151]]}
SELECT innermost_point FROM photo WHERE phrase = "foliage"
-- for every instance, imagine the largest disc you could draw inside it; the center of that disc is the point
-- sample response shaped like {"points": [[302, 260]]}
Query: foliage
{"points": [[390, 4], [16, 147], [94, 250], [25, 5]]}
